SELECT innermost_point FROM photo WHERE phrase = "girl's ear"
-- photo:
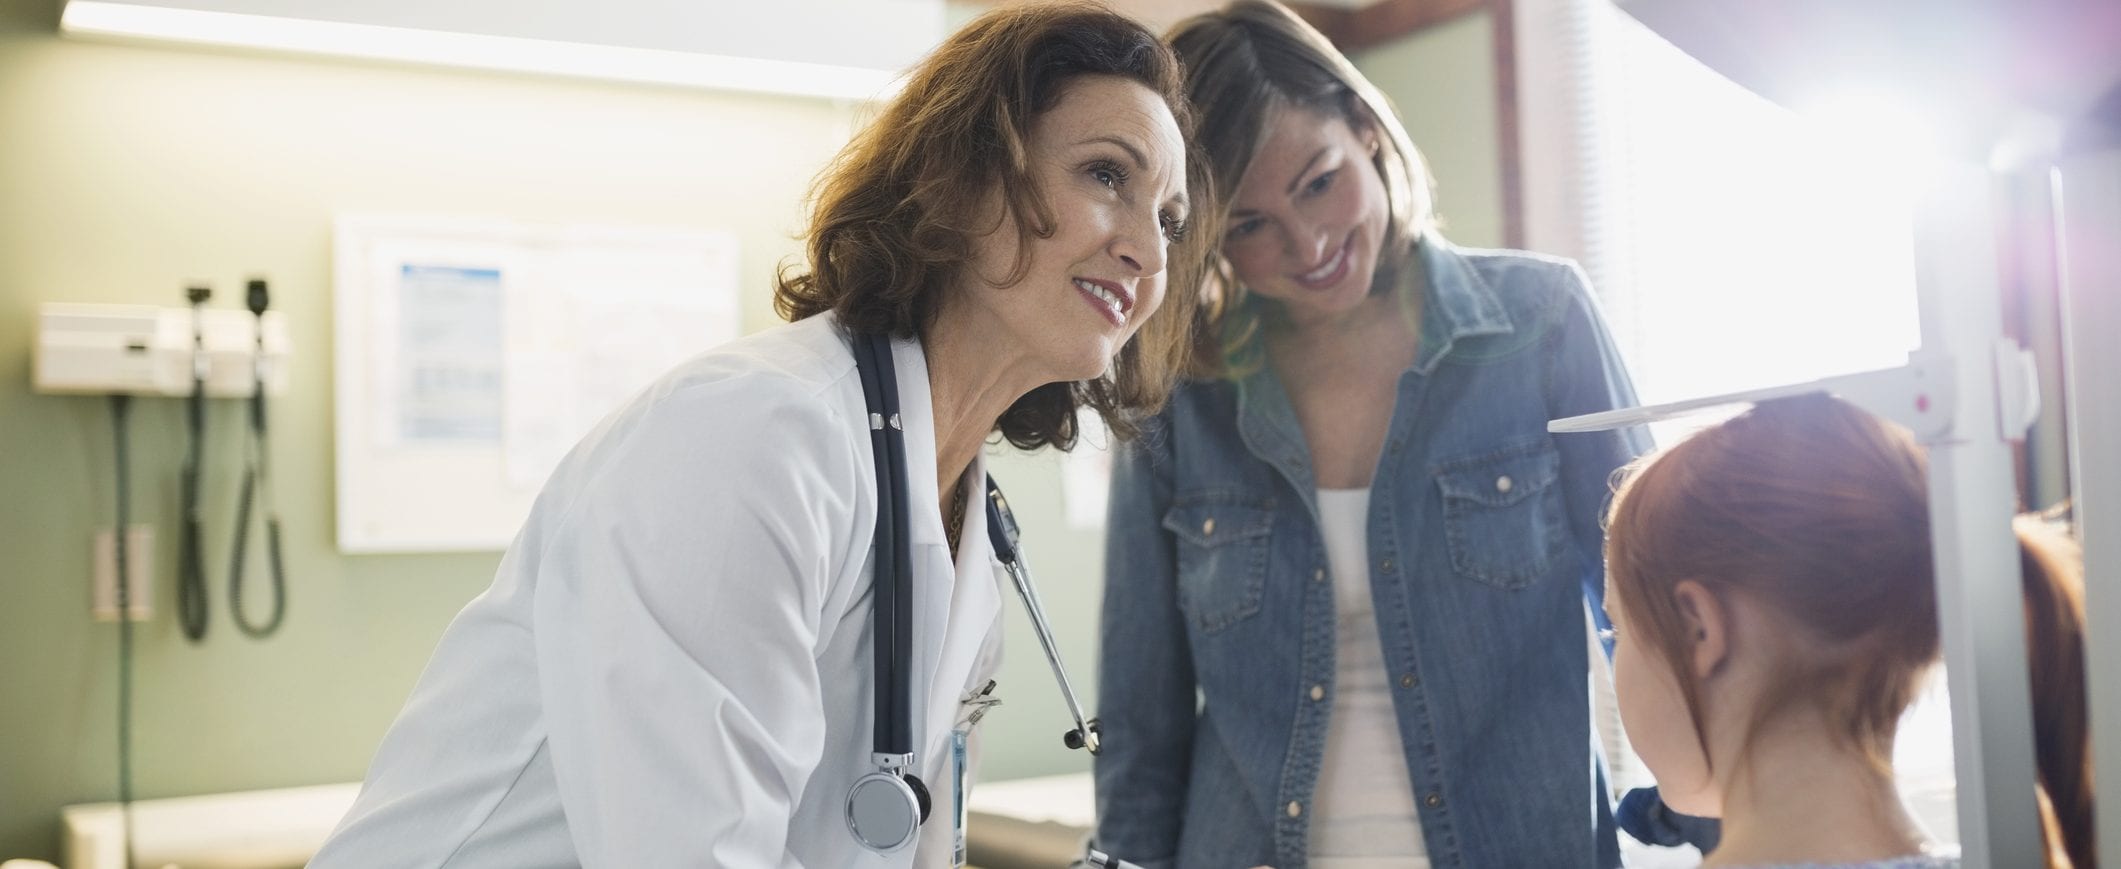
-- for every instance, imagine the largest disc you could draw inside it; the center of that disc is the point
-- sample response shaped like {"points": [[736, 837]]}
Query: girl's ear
{"points": [[1708, 626]]}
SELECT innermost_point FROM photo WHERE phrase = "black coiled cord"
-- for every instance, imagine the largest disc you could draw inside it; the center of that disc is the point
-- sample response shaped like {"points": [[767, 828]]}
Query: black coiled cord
{"points": [[254, 480]]}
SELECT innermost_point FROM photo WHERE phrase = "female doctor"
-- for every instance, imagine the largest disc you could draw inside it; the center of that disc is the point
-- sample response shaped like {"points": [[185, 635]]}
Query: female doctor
{"points": [[673, 666]]}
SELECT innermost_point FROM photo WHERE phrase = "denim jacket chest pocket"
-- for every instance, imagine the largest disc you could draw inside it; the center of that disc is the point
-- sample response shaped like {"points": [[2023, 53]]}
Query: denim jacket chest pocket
{"points": [[1504, 519], [1222, 558]]}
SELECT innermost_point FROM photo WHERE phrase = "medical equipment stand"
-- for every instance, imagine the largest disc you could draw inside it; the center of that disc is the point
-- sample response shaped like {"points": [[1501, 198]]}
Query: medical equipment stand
{"points": [[2088, 218], [1980, 598]]}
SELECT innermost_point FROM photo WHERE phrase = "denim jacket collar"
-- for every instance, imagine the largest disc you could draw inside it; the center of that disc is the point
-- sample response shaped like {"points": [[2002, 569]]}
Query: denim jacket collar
{"points": [[1458, 304]]}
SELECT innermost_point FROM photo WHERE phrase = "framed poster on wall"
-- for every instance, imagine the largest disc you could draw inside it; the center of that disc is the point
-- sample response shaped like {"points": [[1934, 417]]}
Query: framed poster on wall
{"points": [[472, 354]]}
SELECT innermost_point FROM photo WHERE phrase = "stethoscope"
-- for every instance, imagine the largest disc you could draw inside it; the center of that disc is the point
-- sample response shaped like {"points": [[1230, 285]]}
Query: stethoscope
{"points": [[885, 808]]}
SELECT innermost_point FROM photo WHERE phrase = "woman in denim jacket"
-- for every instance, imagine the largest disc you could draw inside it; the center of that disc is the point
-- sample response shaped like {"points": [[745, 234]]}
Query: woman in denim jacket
{"points": [[1344, 617]]}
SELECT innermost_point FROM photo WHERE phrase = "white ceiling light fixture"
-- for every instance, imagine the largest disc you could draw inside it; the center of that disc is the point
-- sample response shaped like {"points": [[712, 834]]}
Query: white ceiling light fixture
{"points": [[837, 49]]}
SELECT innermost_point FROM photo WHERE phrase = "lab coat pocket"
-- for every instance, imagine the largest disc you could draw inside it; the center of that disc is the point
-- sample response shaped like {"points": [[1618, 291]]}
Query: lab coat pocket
{"points": [[1503, 515], [1222, 558]]}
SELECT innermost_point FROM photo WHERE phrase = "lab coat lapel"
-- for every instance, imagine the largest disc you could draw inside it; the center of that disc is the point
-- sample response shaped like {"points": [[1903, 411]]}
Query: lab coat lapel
{"points": [[951, 618], [975, 603]]}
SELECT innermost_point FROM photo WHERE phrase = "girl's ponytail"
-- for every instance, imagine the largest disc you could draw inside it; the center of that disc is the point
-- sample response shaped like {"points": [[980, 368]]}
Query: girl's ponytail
{"points": [[2054, 631]]}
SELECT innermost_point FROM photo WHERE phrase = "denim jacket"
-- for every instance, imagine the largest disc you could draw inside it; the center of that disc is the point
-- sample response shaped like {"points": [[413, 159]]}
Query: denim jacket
{"points": [[1484, 539]]}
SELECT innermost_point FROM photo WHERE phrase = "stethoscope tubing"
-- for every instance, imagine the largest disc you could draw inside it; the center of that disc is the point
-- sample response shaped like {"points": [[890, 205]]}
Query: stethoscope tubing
{"points": [[892, 591]]}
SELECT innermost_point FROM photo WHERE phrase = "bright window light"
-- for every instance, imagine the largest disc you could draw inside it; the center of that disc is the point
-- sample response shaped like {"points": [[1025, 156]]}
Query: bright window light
{"points": [[501, 53], [1746, 246], [1892, 137]]}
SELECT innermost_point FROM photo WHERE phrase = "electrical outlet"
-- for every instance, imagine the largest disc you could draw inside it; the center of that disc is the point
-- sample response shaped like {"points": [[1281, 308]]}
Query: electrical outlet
{"points": [[139, 566]]}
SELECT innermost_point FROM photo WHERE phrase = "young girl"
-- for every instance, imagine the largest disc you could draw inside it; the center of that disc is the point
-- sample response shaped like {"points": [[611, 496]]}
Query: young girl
{"points": [[1771, 586]]}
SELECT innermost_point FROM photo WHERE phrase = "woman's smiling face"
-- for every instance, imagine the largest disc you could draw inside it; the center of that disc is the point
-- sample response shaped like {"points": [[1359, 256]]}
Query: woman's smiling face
{"points": [[1110, 162], [1307, 221]]}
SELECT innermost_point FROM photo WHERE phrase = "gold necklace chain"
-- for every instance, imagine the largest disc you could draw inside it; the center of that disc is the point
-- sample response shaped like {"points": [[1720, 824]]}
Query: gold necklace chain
{"points": [[954, 523]]}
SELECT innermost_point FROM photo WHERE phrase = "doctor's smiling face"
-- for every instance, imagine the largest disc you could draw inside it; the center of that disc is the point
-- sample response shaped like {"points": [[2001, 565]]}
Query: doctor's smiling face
{"points": [[1109, 164]]}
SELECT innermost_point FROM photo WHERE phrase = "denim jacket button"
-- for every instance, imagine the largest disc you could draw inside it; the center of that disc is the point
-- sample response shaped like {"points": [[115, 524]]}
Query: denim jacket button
{"points": [[1208, 527], [1295, 808], [1433, 800], [1406, 681], [1318, 575], [1503, 484], [1386, 566], [1318, 692]]}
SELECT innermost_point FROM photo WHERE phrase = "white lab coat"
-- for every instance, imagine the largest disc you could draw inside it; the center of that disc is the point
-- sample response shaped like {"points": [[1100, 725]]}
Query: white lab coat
{"points": [[672, 667]]}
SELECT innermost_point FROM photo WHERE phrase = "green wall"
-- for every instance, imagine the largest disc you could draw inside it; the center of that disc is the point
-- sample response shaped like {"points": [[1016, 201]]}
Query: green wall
{"points": [[126, 171], [1442, 79]]}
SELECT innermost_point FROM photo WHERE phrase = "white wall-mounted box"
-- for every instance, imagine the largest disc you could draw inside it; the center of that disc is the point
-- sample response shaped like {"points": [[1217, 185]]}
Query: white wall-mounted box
{"points": [[148, 350]]}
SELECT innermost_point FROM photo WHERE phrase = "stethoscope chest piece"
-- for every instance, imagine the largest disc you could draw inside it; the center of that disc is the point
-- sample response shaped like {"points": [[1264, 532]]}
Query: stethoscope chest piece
{"points": [[885, 810]]}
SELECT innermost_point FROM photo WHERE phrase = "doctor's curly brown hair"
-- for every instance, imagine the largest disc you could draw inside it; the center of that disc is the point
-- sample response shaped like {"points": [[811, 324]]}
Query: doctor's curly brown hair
{"points": [[894, 218]]}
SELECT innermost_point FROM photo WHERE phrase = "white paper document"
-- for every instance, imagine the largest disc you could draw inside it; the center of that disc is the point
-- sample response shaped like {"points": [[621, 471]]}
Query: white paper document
{"points": [[449, 364]]}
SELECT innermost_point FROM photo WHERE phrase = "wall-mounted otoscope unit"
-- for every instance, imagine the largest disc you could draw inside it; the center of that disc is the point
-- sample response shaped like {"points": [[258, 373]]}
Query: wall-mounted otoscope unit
{"points": [[193, 352], [153, 351]]}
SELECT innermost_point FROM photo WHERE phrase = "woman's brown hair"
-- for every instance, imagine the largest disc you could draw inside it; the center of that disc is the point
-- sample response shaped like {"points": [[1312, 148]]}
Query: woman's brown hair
{"points": [[1821, 511], [1245, 64], [901, 210]]}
